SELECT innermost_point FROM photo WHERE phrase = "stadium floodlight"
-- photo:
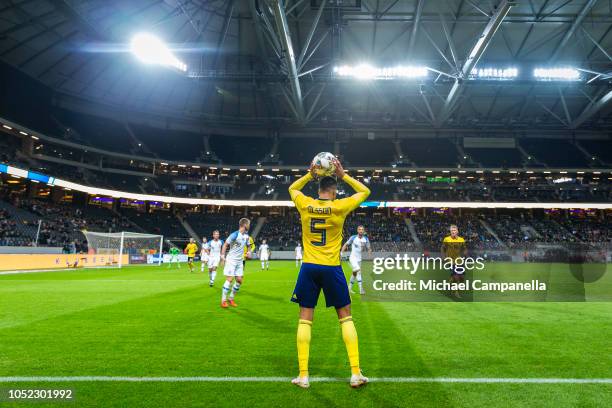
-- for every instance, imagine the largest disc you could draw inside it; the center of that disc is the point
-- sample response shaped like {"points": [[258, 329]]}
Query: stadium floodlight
{"points": [[499, 74], [369, 72], [151, 50], [556, 74]]}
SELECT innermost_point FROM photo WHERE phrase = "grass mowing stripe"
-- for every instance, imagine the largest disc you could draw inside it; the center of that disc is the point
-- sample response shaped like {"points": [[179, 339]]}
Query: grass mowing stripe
{"points": [[313, 379]]}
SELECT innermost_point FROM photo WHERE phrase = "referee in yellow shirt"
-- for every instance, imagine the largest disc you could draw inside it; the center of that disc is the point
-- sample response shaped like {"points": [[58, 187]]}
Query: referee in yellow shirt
{"points": [[322, 220]]}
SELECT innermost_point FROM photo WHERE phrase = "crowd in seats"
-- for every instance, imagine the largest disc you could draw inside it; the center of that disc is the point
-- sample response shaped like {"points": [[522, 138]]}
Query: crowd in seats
{"points": [[62, 223], [590, 229], [550, 231], [282, 232], [433, 227], [205, 224], [511, 230], [9, 233], [380, 228]]}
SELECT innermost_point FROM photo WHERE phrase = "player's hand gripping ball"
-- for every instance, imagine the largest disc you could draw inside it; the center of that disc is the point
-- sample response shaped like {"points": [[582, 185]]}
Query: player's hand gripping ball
{"points": [[323, 165]]}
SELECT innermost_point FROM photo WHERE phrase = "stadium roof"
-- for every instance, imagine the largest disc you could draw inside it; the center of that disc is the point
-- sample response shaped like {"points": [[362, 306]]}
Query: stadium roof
{"points": [[270, 64]]}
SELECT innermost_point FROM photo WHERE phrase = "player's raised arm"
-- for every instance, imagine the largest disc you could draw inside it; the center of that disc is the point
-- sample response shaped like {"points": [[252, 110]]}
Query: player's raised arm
{"points": [[296, 187], [361, 191]]}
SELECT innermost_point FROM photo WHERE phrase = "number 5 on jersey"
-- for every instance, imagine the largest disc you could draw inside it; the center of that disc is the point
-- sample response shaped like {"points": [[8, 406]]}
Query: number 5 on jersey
{"points": [[315, 228]]}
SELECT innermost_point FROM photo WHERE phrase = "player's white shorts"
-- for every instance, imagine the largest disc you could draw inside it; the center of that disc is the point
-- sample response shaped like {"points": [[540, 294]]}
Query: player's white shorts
{"points": [[298, 258], [204, 258], [233, 268], [213, 261], [264, 257], [355, 264]]}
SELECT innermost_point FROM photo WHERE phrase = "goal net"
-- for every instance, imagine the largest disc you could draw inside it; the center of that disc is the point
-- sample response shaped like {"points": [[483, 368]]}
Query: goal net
{"points": [[122, 248]]}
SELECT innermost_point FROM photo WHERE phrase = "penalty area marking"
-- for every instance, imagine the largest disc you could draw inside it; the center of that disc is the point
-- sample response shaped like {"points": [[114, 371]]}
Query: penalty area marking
{"points": [[312, 379]]}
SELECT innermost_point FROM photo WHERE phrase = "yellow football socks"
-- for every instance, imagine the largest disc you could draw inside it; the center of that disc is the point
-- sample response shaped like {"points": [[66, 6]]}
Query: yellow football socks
{"points": [[349, 335], [303, 345]]}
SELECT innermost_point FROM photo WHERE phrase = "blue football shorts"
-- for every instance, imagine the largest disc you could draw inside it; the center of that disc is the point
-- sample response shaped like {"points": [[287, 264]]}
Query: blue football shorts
{"points": [[312, 278]]}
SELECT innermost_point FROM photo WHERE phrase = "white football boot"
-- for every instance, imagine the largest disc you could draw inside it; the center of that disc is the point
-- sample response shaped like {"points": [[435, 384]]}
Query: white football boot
{"points": [[358, 380], [301, 382]]}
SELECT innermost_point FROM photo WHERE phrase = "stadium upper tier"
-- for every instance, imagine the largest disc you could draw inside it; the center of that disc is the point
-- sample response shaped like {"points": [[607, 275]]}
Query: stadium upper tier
{"points": [[89, 138]]}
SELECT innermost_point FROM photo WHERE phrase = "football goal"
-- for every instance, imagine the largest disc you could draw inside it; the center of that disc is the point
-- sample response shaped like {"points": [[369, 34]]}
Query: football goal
{"points": [[122, 248]]}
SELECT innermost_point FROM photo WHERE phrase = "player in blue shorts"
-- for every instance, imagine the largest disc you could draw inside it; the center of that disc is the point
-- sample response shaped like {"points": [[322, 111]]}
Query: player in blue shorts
{"points": [[322, 221]]}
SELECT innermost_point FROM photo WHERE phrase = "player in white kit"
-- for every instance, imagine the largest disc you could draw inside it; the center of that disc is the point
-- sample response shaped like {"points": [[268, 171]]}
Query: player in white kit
{"points": [[359, 243], [214, 256], [204, 254], [234, 267], [298, 255], [264, 255]]}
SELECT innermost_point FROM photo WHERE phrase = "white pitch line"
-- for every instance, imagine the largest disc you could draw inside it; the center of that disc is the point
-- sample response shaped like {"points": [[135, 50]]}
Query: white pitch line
{"points": [[312, 379]]}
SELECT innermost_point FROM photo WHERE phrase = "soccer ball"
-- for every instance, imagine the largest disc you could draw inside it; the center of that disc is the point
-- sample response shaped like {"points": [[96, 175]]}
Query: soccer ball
{"points": [[323, 164]]}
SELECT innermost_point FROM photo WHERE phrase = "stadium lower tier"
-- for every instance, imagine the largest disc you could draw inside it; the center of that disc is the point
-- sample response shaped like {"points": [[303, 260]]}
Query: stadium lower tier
{"points": [[57, 220]]}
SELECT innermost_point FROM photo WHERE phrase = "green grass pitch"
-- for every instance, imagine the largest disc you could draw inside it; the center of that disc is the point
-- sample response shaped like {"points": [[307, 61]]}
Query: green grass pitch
{"points": [[160, 322]]}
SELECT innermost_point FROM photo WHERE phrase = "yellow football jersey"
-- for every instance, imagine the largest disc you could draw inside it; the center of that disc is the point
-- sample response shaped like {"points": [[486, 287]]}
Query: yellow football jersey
{"points": [[453, 247], [191, 249], [323, 220], [250, 247]]}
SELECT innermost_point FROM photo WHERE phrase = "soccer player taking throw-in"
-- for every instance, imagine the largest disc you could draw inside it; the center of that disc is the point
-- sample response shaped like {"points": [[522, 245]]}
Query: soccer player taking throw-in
{"points": [[322, 221]]}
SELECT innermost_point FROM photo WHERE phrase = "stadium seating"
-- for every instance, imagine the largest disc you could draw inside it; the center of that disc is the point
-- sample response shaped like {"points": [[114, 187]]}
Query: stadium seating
{"points": [[95, 131], [602, 149], [205, 224], [170, 144], [555, 152], [364, 152], [300, 151], [62, 223], [433, 227], [431, 152], [240, 150], [282, 232], [489, 157], [156, 222], [386, 233]]}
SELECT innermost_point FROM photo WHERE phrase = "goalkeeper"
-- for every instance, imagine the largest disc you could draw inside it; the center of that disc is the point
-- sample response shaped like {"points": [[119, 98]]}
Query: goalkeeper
{"points": [[174, 253]]}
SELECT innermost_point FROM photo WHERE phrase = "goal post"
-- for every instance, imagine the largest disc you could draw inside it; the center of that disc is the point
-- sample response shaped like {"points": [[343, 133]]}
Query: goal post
{"points": [[124, 248]]}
